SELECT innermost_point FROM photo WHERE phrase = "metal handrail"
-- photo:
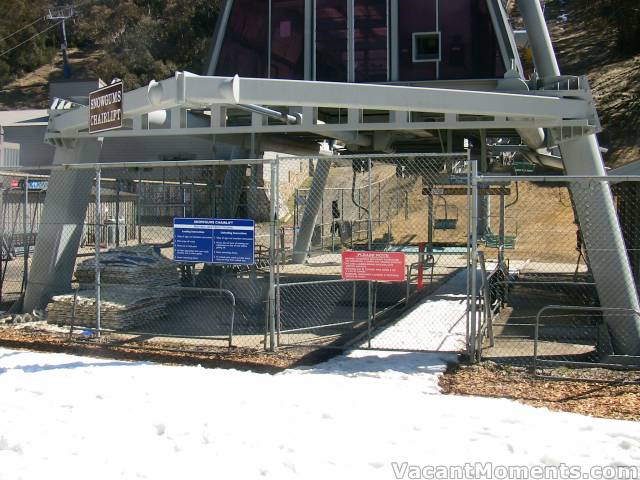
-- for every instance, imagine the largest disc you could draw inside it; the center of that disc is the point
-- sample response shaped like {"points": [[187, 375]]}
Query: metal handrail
{"points": [[198, 337], [279, 287], [410, 277], [485, 300], [536, 335]]}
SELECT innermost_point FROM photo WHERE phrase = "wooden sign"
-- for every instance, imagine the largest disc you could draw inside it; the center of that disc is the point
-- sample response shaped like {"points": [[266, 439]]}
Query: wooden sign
{"points": [[105, 108]]}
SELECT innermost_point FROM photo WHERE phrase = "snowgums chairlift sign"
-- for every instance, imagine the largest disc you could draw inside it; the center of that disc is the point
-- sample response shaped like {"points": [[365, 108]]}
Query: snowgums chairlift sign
{"points": [[105, 108]]}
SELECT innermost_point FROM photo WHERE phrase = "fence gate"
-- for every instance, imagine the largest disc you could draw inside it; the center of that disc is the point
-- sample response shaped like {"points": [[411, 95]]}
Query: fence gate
{"points": [[416, 205], [560, 301]]}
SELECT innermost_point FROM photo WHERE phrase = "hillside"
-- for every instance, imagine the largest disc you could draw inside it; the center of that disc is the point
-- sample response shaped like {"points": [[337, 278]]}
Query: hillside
{"points": [[135, 40], [587, 45]]}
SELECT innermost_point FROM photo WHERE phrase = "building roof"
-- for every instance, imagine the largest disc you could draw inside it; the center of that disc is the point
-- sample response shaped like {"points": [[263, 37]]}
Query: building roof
{"points": [[26, 118]]}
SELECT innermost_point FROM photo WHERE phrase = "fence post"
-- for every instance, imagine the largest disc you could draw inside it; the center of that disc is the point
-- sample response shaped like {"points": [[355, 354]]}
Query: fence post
{"points": [[322, 222], [192, 197], [408, 282], [474, 260], [370, 246], [98, 235], [353, 303], [501, 229], [118, 213], [406, 205], [139, 201], [296, 196], [25, 241], [272, 255], [277, 291], [379, 202]]}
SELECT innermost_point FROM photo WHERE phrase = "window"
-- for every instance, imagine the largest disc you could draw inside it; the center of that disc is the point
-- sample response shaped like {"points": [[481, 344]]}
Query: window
{"points": [[426, 47], [244, 49], [370, 39], [331, 40], [287, 39]]}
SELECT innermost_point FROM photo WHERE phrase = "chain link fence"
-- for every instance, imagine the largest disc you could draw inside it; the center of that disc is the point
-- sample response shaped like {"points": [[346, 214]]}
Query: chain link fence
{"points": [[381, 203], [553, 292], [515, 269], [109, 230]]}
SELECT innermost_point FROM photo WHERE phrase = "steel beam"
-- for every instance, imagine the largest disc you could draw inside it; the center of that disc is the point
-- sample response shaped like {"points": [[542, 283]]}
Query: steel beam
{"points": [[329, 130], [191, 91]]}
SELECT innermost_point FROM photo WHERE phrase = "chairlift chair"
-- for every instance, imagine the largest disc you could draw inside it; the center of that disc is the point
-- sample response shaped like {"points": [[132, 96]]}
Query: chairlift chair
{"points": [[447, 223], [492, 240]]}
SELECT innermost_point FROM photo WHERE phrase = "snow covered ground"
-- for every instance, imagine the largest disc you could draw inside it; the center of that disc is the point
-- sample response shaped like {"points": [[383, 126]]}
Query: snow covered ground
{"points": [[436, 323], [70, 417]]}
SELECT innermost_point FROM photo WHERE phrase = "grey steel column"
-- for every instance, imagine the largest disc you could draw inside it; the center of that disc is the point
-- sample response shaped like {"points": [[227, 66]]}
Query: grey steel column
{"points": [[61, 224], [594, 205], [311, 210]]}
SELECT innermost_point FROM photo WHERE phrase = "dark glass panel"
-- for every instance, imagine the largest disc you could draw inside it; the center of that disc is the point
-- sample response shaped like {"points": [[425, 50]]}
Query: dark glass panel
{"points": [[245, 44], [331, 40], [469, 45], [468, 42], [287, 39], [415, 16], [370, 40]]}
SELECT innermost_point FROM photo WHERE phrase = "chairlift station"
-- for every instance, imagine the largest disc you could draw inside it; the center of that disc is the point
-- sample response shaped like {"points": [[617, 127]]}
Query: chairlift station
{"points": [[325, 78]]}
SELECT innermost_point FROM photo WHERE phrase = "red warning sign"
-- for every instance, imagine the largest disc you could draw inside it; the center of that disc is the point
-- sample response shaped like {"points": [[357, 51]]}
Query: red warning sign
{"points": [[376, 266]]}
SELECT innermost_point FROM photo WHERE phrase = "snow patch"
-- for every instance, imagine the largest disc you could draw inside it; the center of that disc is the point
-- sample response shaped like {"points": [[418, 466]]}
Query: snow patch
{"points": [[351, 417]]}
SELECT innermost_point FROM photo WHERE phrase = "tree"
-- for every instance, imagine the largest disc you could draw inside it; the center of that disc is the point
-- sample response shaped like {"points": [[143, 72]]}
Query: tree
{"points": [[147, 39], [40, 50]]}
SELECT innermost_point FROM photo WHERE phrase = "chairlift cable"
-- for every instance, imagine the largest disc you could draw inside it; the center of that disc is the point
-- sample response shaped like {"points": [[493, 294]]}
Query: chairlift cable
{"points": [[29, 39], [21, 29]]}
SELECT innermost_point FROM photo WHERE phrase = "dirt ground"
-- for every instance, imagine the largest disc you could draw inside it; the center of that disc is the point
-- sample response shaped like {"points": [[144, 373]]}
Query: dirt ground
{"points": [[538, 216], [602, 400], [171, 353]]}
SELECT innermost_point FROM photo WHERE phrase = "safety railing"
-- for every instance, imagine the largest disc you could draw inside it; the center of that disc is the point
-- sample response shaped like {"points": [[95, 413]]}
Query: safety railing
{"points": [[428, 264], [280, 331], [632, 362], [99, 330], [499, 292]]}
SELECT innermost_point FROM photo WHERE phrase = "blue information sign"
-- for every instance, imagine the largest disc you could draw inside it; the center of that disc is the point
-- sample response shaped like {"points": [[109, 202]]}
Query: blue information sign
{"points": [[214, 240]]}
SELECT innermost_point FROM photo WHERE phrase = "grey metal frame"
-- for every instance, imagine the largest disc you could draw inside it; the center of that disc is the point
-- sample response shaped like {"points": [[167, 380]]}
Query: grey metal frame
{"points": [[536, 361]]}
